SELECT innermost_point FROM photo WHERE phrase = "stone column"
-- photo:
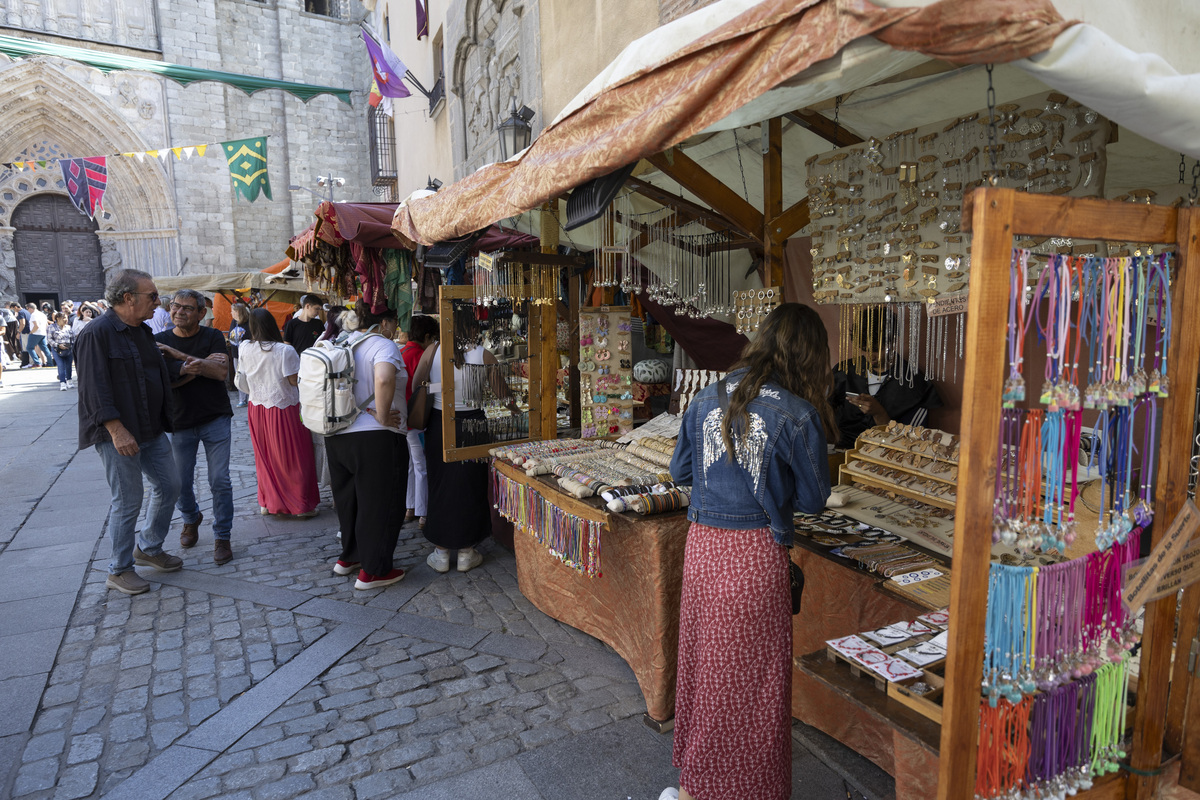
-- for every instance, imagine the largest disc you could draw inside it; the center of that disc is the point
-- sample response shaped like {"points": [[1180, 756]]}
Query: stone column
{"points": [[8, 265]]}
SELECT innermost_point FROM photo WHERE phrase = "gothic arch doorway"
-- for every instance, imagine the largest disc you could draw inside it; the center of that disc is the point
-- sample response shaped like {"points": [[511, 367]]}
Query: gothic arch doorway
{"points": [[57, 251]]}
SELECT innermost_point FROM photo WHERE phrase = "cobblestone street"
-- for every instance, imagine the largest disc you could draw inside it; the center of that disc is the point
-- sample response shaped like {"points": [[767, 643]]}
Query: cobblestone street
{"points": [[269, 677]]}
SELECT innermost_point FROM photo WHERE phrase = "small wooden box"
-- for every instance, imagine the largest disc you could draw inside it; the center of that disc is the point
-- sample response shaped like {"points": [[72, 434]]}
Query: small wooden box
{"points": [[928, 704]]}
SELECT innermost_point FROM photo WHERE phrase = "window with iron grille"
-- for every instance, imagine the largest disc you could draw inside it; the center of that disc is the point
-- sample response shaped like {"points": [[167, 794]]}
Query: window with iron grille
{"points": [[383, 148]]}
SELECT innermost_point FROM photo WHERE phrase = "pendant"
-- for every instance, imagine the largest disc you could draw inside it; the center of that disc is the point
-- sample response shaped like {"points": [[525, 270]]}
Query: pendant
{"points": [[1090, 395], [1048, 396], [1142, 513], [1164, 386], [1137, 384], [1154, 382], [1014, 391]]}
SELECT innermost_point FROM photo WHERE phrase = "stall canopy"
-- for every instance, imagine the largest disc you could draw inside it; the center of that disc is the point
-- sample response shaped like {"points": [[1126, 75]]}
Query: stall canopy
{"points": [[110, 62], [738, 62], [231, 282]]}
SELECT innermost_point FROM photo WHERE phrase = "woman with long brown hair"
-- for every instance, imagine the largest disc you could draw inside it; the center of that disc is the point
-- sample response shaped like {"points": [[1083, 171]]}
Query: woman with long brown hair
{"points": [[753, 447], [267, 372]]}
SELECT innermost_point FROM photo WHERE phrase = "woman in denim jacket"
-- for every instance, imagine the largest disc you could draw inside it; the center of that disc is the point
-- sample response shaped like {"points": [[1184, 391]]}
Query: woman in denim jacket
{"points": [[750, 469]]}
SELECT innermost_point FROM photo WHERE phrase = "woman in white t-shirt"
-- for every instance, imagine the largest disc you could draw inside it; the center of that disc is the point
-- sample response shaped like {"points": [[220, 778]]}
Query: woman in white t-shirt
{"points": [[368, 461], [283, 451]]}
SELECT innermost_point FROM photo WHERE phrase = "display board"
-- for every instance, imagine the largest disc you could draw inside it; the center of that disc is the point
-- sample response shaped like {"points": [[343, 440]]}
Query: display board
{"points": [[605, 371]]}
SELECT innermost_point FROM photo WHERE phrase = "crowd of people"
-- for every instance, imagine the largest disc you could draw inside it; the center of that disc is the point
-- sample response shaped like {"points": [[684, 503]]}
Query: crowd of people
{"points": [[38, 337], [152, 381]]}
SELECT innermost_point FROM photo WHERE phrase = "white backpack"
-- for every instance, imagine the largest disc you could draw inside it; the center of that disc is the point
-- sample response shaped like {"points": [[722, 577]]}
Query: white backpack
{"points": [[326, 383]]}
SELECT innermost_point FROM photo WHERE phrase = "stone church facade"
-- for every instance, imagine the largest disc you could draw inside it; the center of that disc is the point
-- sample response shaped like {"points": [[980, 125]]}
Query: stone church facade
{"points": [[173, 216]]}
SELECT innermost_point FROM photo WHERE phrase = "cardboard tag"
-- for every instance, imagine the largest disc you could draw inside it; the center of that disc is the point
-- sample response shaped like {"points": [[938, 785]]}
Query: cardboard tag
{"points": [[1165, 555], [916, 576], [1181, 574], [947, 304]]}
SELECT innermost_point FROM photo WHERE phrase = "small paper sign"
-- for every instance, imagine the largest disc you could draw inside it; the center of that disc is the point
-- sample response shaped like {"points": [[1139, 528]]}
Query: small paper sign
{"points": [[917, 576], [1181, 574], [947, 304], [1162, 558]]}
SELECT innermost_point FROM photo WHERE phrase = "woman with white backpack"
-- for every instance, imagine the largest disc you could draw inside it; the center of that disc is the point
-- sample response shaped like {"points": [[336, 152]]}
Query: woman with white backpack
{"points": [[368, 459]]}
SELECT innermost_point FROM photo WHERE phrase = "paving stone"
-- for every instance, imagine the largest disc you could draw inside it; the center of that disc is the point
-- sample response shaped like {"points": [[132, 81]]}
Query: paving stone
{"points": [[198, 789], [53, 719], [86, 747], [311, 724], [285, 748], [48, 745], [126, 755], [318, 760], [543, 734], [329, 793], [126, 727], [441, 766], [382, 784], [483, 663], [35, 776], [495, 751], [258, 737], [373, 744], [588, 721], [167, 706], [407, 755], [394, 719], [165, 733], [344, 772], [344, 699], [87, 719], [250, 777], [285, 789], [344, 733], [77, 781]]}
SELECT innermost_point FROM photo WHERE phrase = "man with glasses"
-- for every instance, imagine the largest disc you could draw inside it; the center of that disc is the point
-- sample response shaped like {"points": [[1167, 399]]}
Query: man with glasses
{"points": [[197, 363], [125, 412]]}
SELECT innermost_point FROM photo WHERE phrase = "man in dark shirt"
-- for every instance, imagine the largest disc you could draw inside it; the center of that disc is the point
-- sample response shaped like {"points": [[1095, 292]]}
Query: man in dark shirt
{"points": [[874, 388], [125, 412], [197, 363], [303, 330]]}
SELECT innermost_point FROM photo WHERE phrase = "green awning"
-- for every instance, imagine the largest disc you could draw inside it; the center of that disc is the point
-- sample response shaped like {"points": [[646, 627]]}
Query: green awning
{"points": [[109, 62]]}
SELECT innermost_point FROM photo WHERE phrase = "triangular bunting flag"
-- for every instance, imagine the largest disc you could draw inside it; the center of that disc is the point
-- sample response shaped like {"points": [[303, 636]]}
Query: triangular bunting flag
{"points": [[188, 151], [178, 151], [165, 155], [141, 157], [247, 159], [151, 153], [128, 155], [200, 148], [20, 165], [85, 179], [41, 163]]}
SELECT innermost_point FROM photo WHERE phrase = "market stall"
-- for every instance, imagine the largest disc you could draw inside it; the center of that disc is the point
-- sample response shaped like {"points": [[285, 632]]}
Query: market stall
{"points": [[889, 217]]}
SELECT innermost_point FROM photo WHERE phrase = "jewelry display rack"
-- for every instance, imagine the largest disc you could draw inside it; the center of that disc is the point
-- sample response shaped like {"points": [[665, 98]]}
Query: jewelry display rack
{"points": [[994, 217]]}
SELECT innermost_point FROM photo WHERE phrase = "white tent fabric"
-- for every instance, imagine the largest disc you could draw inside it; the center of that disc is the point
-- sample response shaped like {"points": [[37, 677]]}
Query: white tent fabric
{"points": [[1140, 91]]}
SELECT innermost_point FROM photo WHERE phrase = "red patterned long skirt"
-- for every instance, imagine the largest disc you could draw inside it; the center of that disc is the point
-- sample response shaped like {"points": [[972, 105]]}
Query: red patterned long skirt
{"points": [[733, 696]]}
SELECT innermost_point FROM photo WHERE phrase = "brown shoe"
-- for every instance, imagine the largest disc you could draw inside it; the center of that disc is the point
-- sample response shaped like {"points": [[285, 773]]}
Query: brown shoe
{"points": [[222, 552], [190, 533], [163, 562], [128, 582]]}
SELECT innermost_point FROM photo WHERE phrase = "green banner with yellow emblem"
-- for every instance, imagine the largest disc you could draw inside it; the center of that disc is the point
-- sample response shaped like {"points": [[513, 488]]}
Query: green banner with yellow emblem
{"points": [[247, 160]]}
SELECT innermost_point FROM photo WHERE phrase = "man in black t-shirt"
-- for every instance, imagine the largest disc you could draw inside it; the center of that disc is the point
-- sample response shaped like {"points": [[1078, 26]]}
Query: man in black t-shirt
{"points": [[197, 364], [303, 330]]}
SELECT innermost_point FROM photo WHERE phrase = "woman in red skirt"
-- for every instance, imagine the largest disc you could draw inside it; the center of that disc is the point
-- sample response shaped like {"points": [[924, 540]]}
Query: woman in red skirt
{"points": [[283, 449], [753, 449]]}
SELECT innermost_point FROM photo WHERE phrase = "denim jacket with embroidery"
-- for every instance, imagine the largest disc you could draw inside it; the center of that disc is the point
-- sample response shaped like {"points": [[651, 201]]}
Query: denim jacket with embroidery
{"points": [[781, 462]]}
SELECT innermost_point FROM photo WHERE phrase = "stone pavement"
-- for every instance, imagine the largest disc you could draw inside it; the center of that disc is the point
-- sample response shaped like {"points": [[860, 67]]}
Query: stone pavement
{"points": [[269, 677]]}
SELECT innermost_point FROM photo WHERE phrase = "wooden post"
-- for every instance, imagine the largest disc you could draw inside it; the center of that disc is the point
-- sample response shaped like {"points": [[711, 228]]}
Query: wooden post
{"points": [[772, 201], [986, 318], [1174, 465], [547, 342], [573, 288], [446, 354]]}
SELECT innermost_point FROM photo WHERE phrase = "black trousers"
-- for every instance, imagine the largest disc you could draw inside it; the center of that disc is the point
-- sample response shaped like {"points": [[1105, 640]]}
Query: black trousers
{"points": [[369, 470]]}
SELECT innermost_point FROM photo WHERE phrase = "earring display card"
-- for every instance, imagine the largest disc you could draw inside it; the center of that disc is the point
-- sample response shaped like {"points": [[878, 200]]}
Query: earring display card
{"points": [[886, 214], [605, 375]]}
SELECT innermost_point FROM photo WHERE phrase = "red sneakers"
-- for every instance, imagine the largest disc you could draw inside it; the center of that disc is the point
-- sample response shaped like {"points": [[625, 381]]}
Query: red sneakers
{"points": [[345, 567], [368, 581]]}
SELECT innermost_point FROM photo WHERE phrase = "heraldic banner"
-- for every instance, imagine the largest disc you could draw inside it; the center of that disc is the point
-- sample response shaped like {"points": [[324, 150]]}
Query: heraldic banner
{"points": [[248, 166]]}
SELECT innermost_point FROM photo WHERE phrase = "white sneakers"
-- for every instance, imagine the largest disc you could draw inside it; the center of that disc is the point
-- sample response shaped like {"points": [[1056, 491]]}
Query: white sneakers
{"points": [[439, 560], [70, 384], [670, 793], [468, 559], [62, 386]]}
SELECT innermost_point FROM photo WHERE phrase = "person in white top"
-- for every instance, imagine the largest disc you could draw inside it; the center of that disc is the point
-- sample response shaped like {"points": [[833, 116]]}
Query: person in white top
{"points": [[283, 451], [161, 320], [458, 515], [368, 460], [39, 326]]}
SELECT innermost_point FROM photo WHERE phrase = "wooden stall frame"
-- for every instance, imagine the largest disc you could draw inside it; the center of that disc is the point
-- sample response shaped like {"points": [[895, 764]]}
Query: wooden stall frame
{"points": [[995, 216], [543, 359]]}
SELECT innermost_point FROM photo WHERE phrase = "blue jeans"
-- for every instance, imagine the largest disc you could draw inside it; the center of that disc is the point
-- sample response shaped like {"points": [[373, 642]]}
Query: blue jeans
{"points": [[35, 341], [63, 360], [216, 438], [154, 460]]}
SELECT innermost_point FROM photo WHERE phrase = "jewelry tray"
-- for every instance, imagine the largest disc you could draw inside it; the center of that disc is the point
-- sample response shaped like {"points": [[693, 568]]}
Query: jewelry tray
{"points": [[929, 704]]}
